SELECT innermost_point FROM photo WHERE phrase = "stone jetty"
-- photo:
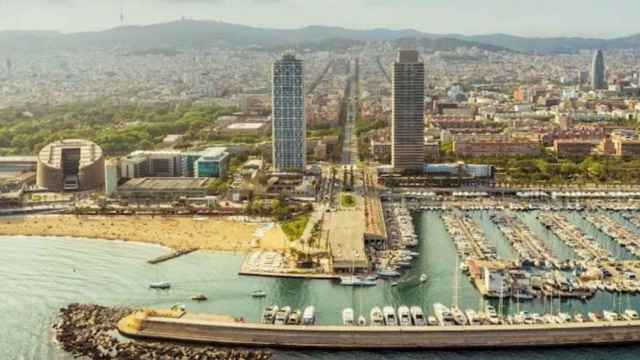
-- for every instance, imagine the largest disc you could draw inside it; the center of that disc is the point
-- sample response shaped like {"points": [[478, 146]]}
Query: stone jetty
{"points": [[90, 331]]}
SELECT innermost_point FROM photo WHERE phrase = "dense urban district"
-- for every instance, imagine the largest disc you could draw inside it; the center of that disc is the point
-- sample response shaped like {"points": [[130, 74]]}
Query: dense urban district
{"points": [[318, 164]]}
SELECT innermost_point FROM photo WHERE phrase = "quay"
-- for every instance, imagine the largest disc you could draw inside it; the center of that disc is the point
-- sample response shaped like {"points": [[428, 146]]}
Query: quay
{"points": [[224, 330], [171, 256]]}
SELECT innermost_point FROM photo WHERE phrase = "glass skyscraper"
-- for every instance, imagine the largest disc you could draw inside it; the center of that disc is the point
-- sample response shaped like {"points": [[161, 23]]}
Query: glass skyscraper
{"points": [[597, 71], [289, 125]]}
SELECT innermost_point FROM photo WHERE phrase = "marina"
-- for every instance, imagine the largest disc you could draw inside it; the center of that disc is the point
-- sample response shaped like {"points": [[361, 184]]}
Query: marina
{"points": [[617, 231]]}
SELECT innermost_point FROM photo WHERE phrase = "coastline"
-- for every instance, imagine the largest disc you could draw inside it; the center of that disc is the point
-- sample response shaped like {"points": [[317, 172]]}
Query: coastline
{"points": [[175, 233]]}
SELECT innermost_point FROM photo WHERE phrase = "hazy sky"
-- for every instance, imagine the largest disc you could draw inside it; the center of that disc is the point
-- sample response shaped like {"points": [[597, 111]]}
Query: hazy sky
{"points": [[598, 18]]}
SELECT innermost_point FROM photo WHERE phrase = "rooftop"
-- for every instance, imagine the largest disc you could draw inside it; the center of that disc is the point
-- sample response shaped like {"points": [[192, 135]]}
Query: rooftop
{"points": [[51, 154], [167, 184]]}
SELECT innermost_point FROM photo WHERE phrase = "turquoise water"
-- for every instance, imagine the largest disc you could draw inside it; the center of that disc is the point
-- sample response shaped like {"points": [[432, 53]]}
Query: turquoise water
{"points": [[41, 275]]}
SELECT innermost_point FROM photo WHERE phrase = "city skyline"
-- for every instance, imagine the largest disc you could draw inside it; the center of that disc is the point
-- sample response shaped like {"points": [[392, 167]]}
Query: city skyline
{"points": [[436, 17]]}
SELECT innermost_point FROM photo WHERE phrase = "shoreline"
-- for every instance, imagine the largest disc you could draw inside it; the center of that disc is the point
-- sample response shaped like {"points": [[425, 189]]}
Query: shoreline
{"points": [[173, 233]]}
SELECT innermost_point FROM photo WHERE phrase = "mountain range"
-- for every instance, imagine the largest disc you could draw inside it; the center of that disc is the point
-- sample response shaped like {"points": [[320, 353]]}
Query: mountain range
{"points": [[202, 34]]}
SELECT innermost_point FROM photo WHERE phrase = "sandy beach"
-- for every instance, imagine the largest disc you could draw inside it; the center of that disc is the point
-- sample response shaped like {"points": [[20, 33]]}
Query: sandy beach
{"points": [[173, 232]]}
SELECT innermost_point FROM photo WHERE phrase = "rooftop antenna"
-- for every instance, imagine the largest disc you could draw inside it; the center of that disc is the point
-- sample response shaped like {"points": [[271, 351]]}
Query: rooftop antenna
{"points": [[122, 13]]}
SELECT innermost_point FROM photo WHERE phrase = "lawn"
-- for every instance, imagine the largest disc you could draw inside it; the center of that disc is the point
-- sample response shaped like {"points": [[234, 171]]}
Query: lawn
{"points": [[295, 227], [347, 200]]}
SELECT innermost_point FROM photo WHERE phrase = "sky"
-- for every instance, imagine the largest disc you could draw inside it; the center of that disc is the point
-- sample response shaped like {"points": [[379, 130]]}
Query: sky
{"points": [[589, 18]]}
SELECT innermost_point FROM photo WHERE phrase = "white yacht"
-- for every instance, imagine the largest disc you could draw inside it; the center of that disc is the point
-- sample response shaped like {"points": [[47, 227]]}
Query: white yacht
{"points": [[294, 318], [348, 317], [282, 315], [492, 315], [417, 316], [630, 315], [593, 317], [357, 281], [269, 314], [443, 314], [432, 321], [390, 318], [377, 318], [362, 321], [458, 315], [404, 315], [472, 317], [578, 318], [309, 316], [609, 316]]}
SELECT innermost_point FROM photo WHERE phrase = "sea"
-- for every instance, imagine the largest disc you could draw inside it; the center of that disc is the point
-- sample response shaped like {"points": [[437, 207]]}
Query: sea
{"points": [[40, 275]]}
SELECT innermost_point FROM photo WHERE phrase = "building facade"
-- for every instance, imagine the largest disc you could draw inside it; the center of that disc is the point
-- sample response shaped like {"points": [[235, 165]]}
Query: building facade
{"points": [[407, 125], [597, 71], [289, 125], [72, 164], [214, 163]]}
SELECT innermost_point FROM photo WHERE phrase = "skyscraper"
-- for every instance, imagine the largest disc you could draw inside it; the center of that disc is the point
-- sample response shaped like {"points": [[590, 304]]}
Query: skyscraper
{"points": [[407, 126], [289, 125], [597, 71]]}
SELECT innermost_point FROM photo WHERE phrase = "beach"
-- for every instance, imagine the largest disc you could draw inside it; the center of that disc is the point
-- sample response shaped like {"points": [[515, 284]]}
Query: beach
{"points": [[174, 232]]}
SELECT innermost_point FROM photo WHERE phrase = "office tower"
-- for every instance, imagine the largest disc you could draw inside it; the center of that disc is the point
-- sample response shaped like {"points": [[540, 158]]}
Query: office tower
{"points": [[407, 127], [597, 71], [289, 125]]}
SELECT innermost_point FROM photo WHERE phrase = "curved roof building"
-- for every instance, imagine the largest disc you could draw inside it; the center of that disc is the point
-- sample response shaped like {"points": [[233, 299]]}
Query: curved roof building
{"points": [[70, 165]]}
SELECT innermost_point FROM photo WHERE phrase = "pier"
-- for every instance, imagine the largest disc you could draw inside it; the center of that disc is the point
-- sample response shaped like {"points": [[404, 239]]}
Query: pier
{"points": [[617, 231], [527, 246], [585, 247], [468, 237], [173, 255]]}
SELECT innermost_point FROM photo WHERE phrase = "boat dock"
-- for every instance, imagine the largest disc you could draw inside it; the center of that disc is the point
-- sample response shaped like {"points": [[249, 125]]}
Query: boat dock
{"points": [[171, 256], [469, 238], [617, 231], [527, 246], [224, 330], [585, 247]]}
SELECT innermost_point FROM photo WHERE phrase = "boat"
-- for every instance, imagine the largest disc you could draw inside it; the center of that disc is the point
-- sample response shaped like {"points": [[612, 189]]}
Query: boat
{"points": [[282, 315], [309, 316], [443, 314], [388, 273], [357, 281], [199, 297], [564, 317], [492, 315], [160, 286], [578, 318], [394, 284], [258, 294], [269, 314], [404, 315], [609, 316], [362, 321], [423, 278], [472, 317], [347, 317], [432, 321], [294, 318], [417, 316], [593, 317], [630, 315], [458, 315], [390, 318], [376, 317]]}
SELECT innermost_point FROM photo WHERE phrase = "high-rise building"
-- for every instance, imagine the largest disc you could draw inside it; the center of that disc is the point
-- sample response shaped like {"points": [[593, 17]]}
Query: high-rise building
{"points": [[289, 125], [597, 71], [407, 126]]}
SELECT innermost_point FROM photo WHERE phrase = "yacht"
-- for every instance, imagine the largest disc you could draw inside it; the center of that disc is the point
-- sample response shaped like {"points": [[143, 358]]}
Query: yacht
{"points": [[443, 314], [472, 317], [258, 294], [492, 316], [282, 315], [390, 318], [432, 321], [404, 315], [309, 316], [609, 315], [630, 315], [377, 318], [458, 315], [199, 297], [564, 317], [295, 318], [578, 318], [423, 278], [362, 321], [417, 316], [593, 317], [269, 314], [388, 273], [347, 317]]}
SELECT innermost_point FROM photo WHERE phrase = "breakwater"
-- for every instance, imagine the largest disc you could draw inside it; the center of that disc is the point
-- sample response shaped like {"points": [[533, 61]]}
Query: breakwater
{"points": [[87, 331]]}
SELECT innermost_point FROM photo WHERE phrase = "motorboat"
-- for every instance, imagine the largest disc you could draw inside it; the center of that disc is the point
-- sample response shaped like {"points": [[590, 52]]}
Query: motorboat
{"points": [[564, 317], [258, 294], [348, 317], [309, 316], [388, 273], [282, 315], [432, 321], [357, 281], [443, 314], [492, 315], [458, 315], [404, 315], [294, 318], [578, 318], [390, 318], [362, 321], [593, 317], [199, 297], [417, 316], [376, 317], [269, 314], [160, 285], [423, 278]]}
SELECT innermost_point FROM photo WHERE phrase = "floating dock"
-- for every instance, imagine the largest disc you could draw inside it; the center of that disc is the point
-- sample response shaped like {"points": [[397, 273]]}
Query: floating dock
{"points": [[170, 256], [225, 330]]}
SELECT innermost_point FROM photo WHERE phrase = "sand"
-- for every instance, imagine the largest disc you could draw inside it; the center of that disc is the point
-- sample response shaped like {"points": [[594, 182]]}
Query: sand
{"points": [[174, 232]]}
